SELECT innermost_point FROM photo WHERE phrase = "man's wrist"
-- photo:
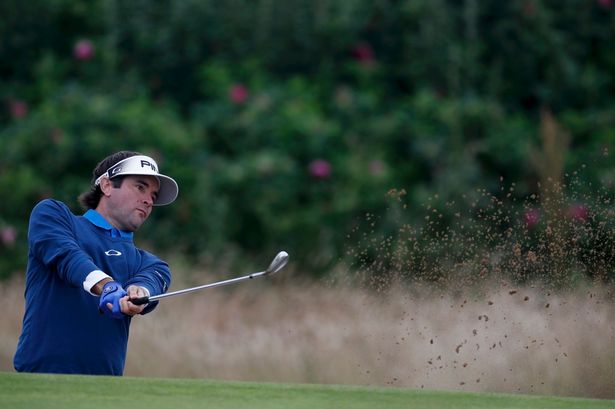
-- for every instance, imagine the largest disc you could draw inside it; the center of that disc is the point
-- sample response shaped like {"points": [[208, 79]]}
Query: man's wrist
{"points": [[98, 287]]}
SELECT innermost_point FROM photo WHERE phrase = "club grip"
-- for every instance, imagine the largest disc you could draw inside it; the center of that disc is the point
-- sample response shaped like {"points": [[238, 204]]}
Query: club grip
{"points": [[139, 301]]}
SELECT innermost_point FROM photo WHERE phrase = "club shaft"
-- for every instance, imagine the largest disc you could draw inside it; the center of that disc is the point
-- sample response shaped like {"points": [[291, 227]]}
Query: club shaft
{"points": [[212, 285]]}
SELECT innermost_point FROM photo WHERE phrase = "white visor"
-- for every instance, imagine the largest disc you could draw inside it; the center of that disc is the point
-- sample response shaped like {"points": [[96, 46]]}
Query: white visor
{"points": [[144, 165]]}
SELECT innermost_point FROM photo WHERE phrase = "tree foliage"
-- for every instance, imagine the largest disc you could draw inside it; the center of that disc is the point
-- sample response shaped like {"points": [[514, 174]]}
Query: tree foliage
{"points": [[289, 123]]}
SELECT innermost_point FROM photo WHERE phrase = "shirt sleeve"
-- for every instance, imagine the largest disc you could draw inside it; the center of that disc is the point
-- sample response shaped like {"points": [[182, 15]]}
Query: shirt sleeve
{"points": [[153, 275], [52, 241]]}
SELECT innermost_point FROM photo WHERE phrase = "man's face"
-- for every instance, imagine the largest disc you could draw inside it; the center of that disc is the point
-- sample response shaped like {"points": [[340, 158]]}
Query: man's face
{"points": [[128, 206]]}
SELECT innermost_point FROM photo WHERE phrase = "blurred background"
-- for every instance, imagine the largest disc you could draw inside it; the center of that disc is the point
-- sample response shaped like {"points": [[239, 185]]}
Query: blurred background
{"points": [[448, 142], [290, 124]]}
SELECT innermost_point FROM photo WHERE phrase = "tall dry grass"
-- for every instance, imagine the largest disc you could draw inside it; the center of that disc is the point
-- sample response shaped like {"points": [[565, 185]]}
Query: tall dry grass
{"points": [[505, 340]]}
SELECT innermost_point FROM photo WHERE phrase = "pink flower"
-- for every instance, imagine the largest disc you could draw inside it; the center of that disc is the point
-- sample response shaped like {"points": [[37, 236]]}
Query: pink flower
{"points": [[607, 4], [320, 169], [18, 108], [83, 50], [531, 218], [578, 212], [238, 94], [364, 53], [8, 236]]}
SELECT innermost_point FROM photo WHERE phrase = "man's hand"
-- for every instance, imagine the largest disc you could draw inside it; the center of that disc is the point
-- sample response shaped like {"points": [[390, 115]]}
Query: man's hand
{"points": [[134, 291], [110, 298], [115, 301]]}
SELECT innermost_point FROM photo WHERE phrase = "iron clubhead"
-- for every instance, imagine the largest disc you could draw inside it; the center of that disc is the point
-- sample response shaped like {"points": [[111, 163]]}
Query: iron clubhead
{"points": [[278, 263]]}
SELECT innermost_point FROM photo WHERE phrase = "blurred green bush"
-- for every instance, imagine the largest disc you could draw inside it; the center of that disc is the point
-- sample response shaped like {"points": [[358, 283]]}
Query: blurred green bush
{"points": [[339, 131]]}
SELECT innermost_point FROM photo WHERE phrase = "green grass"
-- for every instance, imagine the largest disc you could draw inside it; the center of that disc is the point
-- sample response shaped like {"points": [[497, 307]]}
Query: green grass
{"points": [[68, 391]]}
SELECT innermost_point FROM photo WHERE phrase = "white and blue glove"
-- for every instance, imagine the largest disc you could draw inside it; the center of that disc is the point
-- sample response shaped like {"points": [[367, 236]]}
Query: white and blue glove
{"points": [[111, 294]]}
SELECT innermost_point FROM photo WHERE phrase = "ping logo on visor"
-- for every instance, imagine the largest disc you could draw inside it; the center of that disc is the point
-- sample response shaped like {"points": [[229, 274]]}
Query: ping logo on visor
{"points": [[119, 168], [144, 165]]}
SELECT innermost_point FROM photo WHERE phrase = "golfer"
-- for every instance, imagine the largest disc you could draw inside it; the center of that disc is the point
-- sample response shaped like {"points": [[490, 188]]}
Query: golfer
{"points": [[83, 270]]}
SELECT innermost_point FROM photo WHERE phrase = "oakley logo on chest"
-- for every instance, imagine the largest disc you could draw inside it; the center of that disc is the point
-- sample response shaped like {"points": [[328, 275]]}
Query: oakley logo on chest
{"points": [[113, 253]]}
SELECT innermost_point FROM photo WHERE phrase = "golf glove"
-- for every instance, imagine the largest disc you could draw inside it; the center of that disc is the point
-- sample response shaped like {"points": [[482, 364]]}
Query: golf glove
{"points": [[111, 294]]}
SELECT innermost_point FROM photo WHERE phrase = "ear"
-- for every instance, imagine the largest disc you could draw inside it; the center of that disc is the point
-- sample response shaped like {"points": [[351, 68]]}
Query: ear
{"points": [[105, 186]]}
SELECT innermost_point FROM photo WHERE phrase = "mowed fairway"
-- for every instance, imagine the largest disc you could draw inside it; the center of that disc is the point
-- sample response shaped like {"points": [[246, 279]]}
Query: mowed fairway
{"points": [[62, 391]]}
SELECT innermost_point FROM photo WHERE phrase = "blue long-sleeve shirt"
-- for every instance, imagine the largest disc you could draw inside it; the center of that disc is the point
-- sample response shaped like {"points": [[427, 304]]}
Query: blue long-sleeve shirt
{"points": [[63, 331]]}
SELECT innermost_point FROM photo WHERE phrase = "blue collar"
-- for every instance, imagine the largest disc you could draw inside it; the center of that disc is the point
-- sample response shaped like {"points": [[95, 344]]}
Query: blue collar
{"points": [[98, 220]]}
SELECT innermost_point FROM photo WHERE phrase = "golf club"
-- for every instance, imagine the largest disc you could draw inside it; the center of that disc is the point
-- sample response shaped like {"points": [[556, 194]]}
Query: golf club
{"points": [[276, 265]]}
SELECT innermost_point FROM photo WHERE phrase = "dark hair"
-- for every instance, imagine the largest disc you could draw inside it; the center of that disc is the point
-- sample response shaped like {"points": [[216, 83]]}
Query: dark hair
{"points": [[91, 198]]}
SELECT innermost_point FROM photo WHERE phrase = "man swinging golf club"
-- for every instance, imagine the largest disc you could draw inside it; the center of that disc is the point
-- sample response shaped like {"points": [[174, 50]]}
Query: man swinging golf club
{"points": [[83, 271]]}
